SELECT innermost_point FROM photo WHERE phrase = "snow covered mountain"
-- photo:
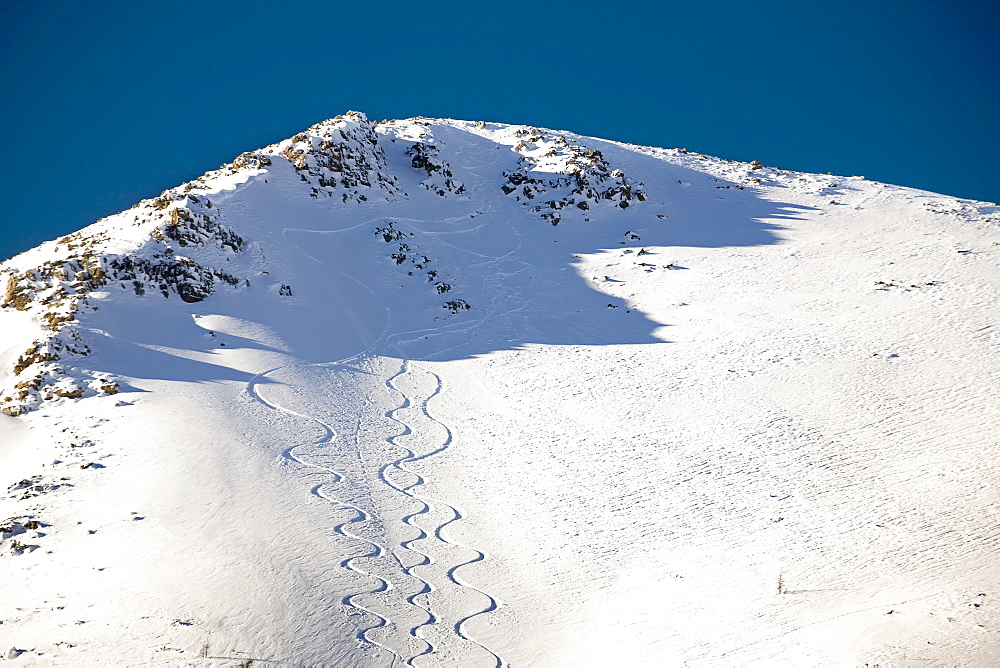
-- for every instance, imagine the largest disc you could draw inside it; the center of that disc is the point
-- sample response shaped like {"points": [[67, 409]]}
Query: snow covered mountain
{"points": [[428, 392]]}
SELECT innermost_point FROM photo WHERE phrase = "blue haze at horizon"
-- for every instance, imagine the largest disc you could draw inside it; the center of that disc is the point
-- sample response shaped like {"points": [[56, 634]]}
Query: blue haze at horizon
{"points": [[111, 103]]}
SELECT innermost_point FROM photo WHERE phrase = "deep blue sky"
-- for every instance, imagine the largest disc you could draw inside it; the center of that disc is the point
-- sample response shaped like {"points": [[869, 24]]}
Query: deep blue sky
{"points": [[109, 102]]}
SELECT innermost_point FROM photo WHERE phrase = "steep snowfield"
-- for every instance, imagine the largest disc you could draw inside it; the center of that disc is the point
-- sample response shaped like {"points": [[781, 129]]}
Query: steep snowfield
{"points": [[433, 392]]}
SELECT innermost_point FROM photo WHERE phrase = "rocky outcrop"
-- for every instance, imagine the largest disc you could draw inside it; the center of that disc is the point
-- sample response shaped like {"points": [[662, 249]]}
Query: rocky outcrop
{"points": [[56, 291], [559, 178], [340, 157]]}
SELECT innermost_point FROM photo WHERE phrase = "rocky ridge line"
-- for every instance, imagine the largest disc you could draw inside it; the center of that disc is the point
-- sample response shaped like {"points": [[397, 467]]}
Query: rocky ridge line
{"points": [[180, 253]]}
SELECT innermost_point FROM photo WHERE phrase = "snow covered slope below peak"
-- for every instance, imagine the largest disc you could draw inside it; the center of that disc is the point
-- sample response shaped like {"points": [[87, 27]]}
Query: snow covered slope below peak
{"points": [[427, 392]]}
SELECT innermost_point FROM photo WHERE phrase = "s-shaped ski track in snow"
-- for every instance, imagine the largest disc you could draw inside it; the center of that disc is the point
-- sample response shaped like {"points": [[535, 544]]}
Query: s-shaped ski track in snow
{"points": [[427, 553], [420, 602], [359, 517], [440, 573]]}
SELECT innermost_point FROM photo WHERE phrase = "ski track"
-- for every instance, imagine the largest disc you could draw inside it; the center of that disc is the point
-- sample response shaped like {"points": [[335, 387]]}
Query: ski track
{"points": [[327, 438], [425, 559], [427, 504]]}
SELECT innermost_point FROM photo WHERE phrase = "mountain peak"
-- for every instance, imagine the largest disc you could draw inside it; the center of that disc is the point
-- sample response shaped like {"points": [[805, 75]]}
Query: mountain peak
{"points": [[180, 244], [393, 393]]}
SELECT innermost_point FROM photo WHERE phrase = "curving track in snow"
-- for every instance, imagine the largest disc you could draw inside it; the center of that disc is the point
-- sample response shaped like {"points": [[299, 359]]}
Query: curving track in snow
{"points": [[358, 516], [417, 598], [439, 556]]}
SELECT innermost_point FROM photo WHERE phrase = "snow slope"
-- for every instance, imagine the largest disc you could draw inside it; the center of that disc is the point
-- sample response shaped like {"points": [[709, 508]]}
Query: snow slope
{"points": [[434, 392]]}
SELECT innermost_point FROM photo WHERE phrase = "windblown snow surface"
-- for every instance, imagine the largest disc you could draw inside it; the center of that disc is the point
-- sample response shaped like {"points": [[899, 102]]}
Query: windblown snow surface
{"points": [[436, 392]]}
